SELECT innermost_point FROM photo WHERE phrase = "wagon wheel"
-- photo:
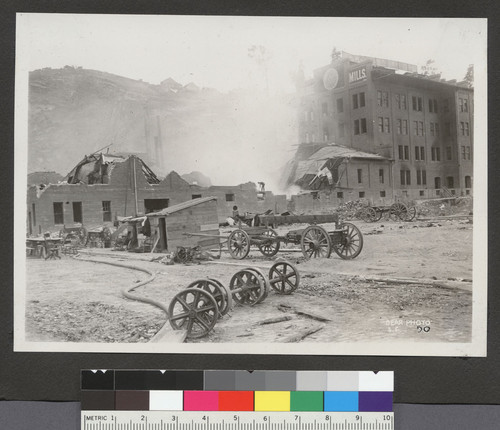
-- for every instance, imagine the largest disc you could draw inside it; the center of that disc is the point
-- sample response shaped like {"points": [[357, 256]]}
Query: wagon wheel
{"points": [[193, 310], [181, 255], [264, 281], [396, 210], [410, 214], [315, 242], [369, 214], [349, 243], [284, 277], [238, 244], [216, 291], [271, 246], [378, 214], [248, 287]]}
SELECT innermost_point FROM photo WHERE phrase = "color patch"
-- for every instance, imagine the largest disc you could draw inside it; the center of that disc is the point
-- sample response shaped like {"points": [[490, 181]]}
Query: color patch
{"points": [[311, 381], [236, 400], [201, 400], [341, 401], [145, 380], [281, 381], [166, 400], [373, 401], [189, 380], [272, 401], [342, 381], [250, 381], [132, 400], [219, 380], [100, 380], [380, 381], [97, 400], [306, 401]]}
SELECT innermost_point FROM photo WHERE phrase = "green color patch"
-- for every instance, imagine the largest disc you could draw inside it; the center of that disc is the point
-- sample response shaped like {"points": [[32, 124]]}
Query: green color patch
{"points": [[302, 401]]}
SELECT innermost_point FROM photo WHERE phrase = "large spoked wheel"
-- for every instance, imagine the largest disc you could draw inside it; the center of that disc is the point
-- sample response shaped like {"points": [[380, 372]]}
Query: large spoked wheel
{"points": [[264, 281], [238, 244], [247, 287], [348, 243], [227, 296], [284, 277], [193, 310], [369, 215], [397, 211], [271, 246], [378, 216], [410, 213], [215, 290], [315, 242]]}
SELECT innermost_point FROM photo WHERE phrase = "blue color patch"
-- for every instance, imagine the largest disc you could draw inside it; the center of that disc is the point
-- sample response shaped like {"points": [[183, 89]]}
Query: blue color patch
{"points": [[341, 401]]}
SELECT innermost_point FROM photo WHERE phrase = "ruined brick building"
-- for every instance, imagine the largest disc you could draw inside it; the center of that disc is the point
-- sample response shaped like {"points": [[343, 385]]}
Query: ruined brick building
{"points": [[104, 187], [377, 129]]}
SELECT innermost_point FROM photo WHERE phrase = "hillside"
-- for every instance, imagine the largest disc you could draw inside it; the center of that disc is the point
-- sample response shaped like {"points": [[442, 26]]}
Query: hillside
{"points": [[74, 111]]}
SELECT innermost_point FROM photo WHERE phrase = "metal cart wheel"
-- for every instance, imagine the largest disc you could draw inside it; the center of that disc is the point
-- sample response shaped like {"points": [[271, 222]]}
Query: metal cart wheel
{"points": [[247, 287], [410, 214], [227, 296], [284, 277], [215, 290], [271, 247], [349, 243], [315, 242], [264, 281], [238, 244], [396, 210], [193, 310], [369, 214]]}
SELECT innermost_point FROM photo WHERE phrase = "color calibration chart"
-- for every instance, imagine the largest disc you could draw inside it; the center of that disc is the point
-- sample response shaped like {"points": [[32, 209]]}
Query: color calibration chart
{"points": [[227, 399]]}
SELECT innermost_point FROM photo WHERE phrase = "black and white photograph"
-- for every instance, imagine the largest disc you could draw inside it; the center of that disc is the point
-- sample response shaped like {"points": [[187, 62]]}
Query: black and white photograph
{"points": [[250, 184]]}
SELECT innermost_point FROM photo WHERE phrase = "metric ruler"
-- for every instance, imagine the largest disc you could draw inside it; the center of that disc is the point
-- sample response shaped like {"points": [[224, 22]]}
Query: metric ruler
{"points": [[164, 420]]}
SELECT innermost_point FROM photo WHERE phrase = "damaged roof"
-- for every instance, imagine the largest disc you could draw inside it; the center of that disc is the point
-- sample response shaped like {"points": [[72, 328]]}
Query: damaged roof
{"points": [[184, 205], [96, 169]]}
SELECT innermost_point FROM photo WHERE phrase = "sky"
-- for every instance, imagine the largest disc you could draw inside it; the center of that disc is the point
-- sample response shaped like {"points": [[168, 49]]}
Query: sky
{"points": [[212, 51]]}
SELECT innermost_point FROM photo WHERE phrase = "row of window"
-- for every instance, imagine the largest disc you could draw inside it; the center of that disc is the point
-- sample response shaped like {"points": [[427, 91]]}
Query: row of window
{"points": [[417, 103], [78, 212]]}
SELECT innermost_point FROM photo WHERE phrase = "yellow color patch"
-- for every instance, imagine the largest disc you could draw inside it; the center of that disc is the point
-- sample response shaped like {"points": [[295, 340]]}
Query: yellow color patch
{"points": [[272, 401]]}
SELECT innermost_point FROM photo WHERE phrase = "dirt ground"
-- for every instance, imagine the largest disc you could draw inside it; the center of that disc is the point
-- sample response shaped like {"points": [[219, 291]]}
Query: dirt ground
{"points": [[411, 282]]}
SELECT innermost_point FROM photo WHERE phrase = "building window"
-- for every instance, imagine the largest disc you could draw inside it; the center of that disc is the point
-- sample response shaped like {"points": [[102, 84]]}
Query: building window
{"points": [[404, 152], [418, 128], [311, 115], [405, 177], [383, 98], [361, 99], [448, 153], [360, 176], [463, 152], [421, 177], [421, 193], [404, 126], [436, 154], [340, 105], [77, 212], [467, 152], [446, 105], [34, 214], [437, 183], [431, 128], [383, 125], [417, 103], [417, 153], [58, 213], [450, 182], [382, 193], [356, 126], [463, 106], [341, 129], [196, 196], [355, 101], [447, 129], [229, 197], [380, 124], [381, 175], [106, 211], [433, 106], [401, 101], [340, 195], [467, 129], [468, 182], [422, 153], [462, 128], [466, 107], [363, 125], [361, 194], [324, 109]]}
